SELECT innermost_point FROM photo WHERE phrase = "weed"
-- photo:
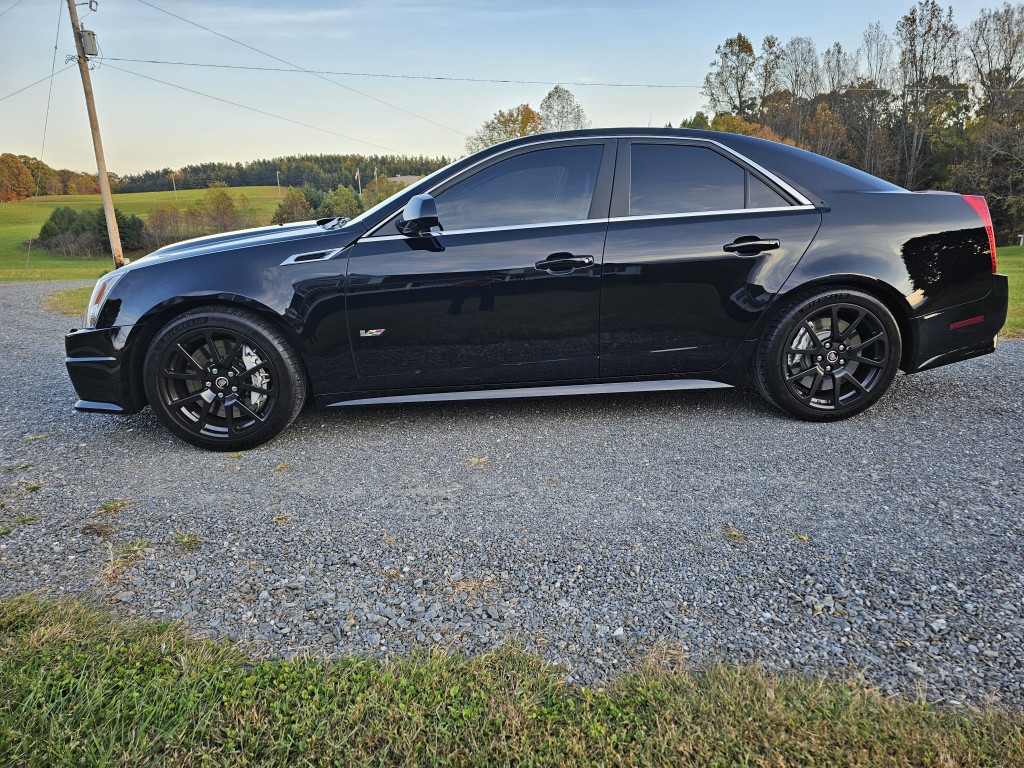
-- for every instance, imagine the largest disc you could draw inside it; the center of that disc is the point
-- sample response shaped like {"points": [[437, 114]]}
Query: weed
{"points": [[25, 519], [113, 506], [187, 541], [5, 530], [233, 456], [103, 530], [32, 487], [281, 467], [473, 586], [803, 538], [18, 467], [280, 519], [37, 438], [734, 534], [123, 556], [478, 462], [389, 540]]}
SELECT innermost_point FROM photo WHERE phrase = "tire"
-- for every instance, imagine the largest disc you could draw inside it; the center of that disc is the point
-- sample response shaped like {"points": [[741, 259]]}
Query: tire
{"points": [[828, 355], [223, 379]]}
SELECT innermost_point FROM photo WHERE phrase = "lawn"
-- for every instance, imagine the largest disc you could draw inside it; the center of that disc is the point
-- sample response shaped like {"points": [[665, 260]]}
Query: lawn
{"points": [[22, 220], [1011, 262], [81, 688]]}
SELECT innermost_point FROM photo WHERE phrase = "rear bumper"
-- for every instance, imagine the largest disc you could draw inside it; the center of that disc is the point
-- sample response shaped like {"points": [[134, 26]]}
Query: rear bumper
{"points": [[98, 367], [961, 332]]}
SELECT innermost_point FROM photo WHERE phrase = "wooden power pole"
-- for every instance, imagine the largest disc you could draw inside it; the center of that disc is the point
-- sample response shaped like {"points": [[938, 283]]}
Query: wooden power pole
{"points": [[94, 125]]}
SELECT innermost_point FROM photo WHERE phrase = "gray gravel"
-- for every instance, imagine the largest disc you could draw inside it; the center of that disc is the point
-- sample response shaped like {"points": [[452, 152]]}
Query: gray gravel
{"points": [[703, 524]]}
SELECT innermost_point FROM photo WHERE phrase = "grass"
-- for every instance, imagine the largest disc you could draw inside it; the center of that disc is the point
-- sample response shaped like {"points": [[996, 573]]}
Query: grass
{"points": [[81, 688], [22, 220], [113, 506], [187, 541], [1011, 263], [70, 301]]}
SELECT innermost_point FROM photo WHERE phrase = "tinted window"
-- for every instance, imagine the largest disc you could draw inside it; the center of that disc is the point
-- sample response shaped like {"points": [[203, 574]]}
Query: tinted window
{"points": [[760, 195], [667, 178], [533, 188]]}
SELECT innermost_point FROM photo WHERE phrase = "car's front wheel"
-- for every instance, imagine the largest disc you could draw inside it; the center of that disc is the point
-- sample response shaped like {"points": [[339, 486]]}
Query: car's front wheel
{"points": [[828, 355], [223, 379]]}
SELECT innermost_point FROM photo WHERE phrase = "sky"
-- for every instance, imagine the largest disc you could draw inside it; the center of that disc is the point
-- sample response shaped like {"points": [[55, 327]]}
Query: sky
{"points": [[149, 125]]}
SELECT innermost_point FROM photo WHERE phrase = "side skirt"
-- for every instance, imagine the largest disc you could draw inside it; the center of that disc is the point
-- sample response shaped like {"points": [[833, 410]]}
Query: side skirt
{"points": [[557, 391]]}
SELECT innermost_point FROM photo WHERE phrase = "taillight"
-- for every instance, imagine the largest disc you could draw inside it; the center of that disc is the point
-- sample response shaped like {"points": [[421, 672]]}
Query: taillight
{"points": [[977, 202]]}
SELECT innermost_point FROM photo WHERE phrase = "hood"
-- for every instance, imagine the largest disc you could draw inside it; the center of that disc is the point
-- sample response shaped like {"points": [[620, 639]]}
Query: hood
{"points": [[247, 238]]}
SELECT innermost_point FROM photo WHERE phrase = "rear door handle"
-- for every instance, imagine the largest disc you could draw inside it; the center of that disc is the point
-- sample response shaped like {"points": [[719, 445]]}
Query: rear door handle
{"points": [[563, 263], [750, 246]]}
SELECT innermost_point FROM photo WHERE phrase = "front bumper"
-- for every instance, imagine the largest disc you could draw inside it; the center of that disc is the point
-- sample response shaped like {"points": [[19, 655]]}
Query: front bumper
{"points": [[960, 332], [100, 370]]}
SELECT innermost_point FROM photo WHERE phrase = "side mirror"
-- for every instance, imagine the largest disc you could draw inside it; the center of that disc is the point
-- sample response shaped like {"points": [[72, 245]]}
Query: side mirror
{"points": [[418, 216]]}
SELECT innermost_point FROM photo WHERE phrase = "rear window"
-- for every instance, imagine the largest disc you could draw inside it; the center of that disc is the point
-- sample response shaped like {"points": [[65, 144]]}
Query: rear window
{"points": [[675, 178]]}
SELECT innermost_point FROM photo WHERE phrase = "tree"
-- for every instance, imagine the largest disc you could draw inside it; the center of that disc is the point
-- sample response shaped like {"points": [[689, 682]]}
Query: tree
{"points": [[559, 111], [44, 178], [927, 39], [699, 122], [340, 202], [219, 209], [506, 124], [730, 85], [292, 208], [378, 190], [15, 179]]}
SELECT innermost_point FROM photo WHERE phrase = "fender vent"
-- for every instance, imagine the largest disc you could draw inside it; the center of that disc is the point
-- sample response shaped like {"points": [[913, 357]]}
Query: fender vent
{"points": [[297, 258]]}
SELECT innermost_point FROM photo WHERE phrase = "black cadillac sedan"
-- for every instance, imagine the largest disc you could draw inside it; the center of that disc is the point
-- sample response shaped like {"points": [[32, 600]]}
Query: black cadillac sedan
{"points": [[586, 261]]}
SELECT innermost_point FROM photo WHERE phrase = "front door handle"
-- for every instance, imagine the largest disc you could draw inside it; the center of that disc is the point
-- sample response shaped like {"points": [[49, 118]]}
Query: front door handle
{"points": [[563, 263], [750, 246]]}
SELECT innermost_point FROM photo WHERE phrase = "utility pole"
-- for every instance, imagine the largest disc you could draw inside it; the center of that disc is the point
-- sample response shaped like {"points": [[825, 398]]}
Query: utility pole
{"points": [[278, 185], [94, 125]]}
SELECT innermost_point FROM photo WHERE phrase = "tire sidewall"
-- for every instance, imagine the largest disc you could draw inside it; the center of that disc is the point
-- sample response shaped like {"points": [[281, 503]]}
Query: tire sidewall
{"points": [[772, 351], [254, 330]]}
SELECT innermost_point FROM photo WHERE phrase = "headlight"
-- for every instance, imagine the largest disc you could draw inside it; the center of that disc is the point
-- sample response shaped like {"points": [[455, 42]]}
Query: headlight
{"points": [[99, 295]]}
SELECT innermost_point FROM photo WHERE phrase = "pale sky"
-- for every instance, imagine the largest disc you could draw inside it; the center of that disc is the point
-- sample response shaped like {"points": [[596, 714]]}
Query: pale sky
{"points": [[148, 125]]}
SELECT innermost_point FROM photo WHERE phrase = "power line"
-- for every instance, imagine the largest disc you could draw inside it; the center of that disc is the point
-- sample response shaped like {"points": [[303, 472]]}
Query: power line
{"points": [[302, 69], [37, 82], [408, 77], [251, 109], [46, 123], [12, 7]]}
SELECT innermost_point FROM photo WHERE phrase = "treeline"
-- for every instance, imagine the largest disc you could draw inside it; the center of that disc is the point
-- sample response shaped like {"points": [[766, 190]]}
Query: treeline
{"points": [[20, 175], [933, 105], [317, 171]]}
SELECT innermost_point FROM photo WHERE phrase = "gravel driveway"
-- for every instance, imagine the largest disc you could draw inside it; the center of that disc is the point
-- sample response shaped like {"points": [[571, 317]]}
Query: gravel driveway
{"points": [[589, 529]]}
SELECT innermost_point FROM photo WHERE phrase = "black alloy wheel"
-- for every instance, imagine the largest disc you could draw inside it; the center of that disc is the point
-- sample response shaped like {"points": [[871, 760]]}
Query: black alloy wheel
{"points": [[828, 355], [223, 379]]}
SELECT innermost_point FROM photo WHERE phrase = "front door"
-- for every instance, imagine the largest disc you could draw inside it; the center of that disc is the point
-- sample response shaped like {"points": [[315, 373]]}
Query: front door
{"points": [[507, 291]]}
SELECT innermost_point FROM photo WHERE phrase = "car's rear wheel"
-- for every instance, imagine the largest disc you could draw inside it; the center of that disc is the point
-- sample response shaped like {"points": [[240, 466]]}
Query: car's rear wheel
{"points": [[828, 355], [223, 379]]}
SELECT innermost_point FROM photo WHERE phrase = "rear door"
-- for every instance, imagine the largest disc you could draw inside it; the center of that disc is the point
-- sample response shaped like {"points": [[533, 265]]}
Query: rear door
{"points": [[699, 242]]}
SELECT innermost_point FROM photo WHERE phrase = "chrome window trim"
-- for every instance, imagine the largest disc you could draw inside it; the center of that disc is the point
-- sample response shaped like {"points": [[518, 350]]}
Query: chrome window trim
{"points": [[329, 253], [728, 212], [613, 219], [802, 201]]}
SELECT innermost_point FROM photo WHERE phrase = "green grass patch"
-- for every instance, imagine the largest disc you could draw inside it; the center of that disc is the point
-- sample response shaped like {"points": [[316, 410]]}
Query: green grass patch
{"points": [[70, 301], [80, 688], [22, 220], [1011, 263]]}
